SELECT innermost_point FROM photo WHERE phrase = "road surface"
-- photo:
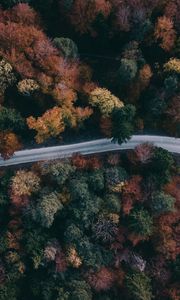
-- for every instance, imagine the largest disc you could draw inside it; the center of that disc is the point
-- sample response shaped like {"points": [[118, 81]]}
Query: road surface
{"points": [[96, 146]]}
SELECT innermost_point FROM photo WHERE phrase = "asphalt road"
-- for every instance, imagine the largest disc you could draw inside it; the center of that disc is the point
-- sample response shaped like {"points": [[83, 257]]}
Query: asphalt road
{"points": [[96, 146]]}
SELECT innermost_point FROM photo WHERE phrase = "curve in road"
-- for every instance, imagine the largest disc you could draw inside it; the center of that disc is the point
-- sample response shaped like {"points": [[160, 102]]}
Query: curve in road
{"points": [[92, 147]]}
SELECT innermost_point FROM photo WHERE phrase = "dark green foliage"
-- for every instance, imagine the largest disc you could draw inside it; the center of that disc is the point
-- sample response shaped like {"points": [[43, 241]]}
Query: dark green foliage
{"points": [[162, 203], [171, 84], [59, 171], [80, 290], [96, 181], [139, 286], [122, 123], [66, 47], [46, 209], [127, 71], [113, 203], [162, 164], [10, 119], [140, 222], [10, 3], [115, 175], [79, 189]]}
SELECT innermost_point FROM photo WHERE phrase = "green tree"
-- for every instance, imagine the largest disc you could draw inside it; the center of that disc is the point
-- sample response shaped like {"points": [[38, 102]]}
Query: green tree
{"points": [[162, 203], [11, 120], [140, 222], [59, 171], [139, 286], [112, 203], [127, 70], [122, 123], [47, 208], [96, 181], [161, 166], [67, 47]]}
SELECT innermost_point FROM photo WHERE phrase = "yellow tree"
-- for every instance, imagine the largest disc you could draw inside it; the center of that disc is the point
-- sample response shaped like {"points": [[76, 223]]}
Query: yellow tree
{"points": [[51, 124], [104, 101]]}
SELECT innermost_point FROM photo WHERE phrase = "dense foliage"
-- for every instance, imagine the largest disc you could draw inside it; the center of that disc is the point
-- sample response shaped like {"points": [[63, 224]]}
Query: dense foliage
{"points": [[91, 68], [99, 227]]}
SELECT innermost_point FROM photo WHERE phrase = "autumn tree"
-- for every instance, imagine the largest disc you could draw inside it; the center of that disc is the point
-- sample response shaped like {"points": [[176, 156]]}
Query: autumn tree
{"points": [[25, 183], [51, 124], [165, 32], [9, 143], [104, 101]]}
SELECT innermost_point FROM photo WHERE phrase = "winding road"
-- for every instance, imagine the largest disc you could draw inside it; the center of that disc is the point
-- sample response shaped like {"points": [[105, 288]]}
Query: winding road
{"points": [[96, 146]]}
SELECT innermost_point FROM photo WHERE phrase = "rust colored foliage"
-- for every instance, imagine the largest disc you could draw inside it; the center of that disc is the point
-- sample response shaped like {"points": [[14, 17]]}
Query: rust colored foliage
{"points": [[166, 239], [84, 13], [9, 143], [141, 154], [101, 280], [173, 188], [19, 201], [132, 193], [164, 31], [32, 54], [82, 162], [172, 11], [60, 261]]}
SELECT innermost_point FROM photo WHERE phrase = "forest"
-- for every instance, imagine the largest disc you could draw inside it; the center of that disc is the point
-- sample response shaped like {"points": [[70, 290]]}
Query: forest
{"points": [[75, 69], [91, 227], [101, 226]]}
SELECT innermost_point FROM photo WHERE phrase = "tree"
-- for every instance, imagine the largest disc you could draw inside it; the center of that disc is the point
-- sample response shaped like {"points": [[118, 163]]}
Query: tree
{"points": [[127, 70], [104, 101], [139, 285], [11, 120], [83, 14], [7, 77], [66, 47], [101, 280], [165, 32], [140, 222], [162, 203], [161, 165], [112, 203], [122, 123], [58, 171], [96, 181], [132, 193], [27, 87], [172, 66], [25, 183], [9, 143], [142, 154], [51, 124], [47, 208]]}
